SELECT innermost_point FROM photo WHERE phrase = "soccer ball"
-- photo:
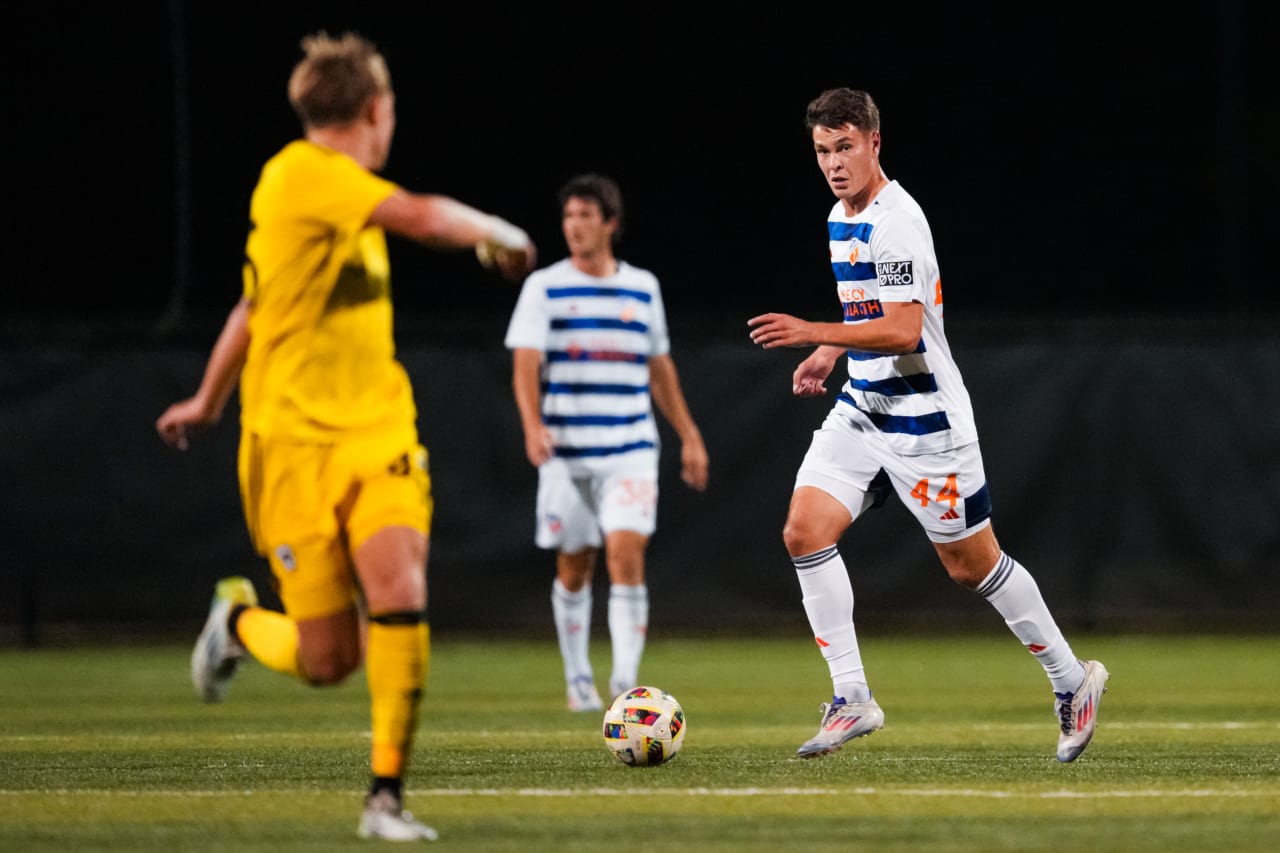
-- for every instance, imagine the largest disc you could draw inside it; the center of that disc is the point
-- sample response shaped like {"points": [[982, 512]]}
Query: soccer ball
{"points": [[644, 726]]}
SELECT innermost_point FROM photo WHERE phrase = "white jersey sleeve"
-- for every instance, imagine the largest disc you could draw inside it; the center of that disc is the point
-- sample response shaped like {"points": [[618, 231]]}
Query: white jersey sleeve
{"points": [[659, 336], [885, 254], [901, 248], [530, 319]]}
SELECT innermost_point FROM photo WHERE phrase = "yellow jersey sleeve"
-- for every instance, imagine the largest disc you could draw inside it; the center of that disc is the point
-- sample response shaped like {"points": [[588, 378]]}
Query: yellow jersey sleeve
{"points": [[321, 361]]}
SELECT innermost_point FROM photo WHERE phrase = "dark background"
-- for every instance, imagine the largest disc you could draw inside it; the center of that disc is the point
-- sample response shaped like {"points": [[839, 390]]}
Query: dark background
{"points": [[1100, 181], [1074, 161]]}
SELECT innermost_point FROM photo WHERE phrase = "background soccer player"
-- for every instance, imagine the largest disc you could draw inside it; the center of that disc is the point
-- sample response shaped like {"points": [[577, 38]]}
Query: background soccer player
{"points": [[589, 351]]}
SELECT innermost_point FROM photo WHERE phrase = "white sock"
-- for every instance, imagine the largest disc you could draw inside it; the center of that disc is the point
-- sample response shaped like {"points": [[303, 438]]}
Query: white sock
{"points": [[628, 627], [1012, 591], [828, 602], [572, 613]]}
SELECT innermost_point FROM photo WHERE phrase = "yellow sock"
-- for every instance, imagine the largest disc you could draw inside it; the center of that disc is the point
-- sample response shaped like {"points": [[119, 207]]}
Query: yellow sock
{"points": [[272, 638], [396, 656]]}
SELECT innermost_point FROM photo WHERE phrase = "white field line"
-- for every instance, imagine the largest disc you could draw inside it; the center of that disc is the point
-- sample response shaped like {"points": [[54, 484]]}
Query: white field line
{"points": [[1218, 725], [838, 792], [1141, 793]]}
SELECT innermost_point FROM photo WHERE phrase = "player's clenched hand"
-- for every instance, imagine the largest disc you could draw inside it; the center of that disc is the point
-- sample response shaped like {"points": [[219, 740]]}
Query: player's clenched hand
{"points": [[182, 420], [508, 248], [694, 464], [809, 378], [538, 446], [515, 264], [780, 330]]}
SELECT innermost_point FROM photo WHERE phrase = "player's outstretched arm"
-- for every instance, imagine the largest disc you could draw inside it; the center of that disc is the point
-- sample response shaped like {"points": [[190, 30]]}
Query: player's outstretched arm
{"points": [[443, 222], [204, 409]]}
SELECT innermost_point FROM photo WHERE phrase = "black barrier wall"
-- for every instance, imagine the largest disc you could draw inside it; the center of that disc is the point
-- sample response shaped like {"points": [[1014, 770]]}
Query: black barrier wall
{"points": [[1134, 468]]}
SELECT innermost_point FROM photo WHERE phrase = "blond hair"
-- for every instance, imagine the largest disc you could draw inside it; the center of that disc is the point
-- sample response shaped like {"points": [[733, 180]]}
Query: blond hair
{"points": [[336, 78]]}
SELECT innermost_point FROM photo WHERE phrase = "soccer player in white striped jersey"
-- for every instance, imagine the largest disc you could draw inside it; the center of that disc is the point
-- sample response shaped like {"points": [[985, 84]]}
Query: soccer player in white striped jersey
{"points": [[902, 422], [590, 351]]}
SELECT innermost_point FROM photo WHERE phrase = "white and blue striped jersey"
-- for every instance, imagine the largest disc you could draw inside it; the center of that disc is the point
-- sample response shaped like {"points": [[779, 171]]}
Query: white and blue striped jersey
{"points": [[885, 254], [596, 336]]}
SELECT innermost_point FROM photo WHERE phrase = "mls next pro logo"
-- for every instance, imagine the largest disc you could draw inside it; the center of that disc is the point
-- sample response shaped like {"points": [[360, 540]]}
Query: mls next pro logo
{"points": [[894, 273]]}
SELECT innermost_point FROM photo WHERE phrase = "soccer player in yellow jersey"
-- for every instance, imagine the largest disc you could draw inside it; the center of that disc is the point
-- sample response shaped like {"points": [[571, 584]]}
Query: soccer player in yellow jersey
{"points": [[333, 478]]}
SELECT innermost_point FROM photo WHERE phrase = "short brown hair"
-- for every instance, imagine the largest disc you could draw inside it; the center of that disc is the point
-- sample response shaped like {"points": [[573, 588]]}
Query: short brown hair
{"points": [[602, 190], [336, 78], [838, 107]]}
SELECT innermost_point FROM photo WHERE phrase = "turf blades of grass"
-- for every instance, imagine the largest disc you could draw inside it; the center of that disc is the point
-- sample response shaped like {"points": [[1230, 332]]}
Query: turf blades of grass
{"points": [[106, 749]]}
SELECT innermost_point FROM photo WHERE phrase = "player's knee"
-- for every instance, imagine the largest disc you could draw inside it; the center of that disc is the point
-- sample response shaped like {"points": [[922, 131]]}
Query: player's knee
{"points": [[964, 568], [328, 674], [331, 668], [962, 575], [801, 537], [576, 569], [627, 569], [968, 561]]}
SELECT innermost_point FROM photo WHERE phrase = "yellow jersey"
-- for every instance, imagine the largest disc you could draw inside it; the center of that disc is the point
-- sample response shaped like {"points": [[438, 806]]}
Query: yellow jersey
{"points": [[321, 362]]}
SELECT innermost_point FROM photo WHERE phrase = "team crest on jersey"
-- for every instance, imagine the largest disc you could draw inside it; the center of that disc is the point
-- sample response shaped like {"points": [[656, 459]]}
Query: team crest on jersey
{"points": [[284, 554], [628, 312], [894, 273]]}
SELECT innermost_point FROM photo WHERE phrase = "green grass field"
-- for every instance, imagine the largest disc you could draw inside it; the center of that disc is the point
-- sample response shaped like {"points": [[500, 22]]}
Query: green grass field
{"points": [[107, 749]]}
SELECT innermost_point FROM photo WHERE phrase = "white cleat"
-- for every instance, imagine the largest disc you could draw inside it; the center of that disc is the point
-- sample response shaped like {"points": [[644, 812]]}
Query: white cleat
{"points": [[841, 723], [384, 818], [217, 653], [581, 695], [1077, 712], [617, 688]]}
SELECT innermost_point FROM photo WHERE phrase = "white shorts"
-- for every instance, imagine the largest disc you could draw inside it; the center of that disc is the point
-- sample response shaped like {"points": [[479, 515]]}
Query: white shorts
{"points": [[850, 460], [575, 510]]}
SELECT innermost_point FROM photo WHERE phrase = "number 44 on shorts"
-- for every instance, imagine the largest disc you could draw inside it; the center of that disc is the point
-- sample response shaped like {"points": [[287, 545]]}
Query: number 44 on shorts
{"points": [[948, 493]]}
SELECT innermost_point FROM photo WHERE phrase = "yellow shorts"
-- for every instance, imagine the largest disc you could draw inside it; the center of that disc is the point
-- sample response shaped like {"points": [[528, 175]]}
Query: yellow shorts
{"points": [[309, 507]]}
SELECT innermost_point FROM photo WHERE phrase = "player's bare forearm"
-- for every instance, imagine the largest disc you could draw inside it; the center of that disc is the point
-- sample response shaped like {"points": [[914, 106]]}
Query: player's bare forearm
{"points": [[204, 409], [443, 222], [664, 387], [526, 367], [897, 330], [783, 330]]}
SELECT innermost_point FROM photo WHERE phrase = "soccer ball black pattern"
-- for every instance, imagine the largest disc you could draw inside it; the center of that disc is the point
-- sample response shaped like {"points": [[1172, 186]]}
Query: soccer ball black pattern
{"points": [[644, 726]]}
